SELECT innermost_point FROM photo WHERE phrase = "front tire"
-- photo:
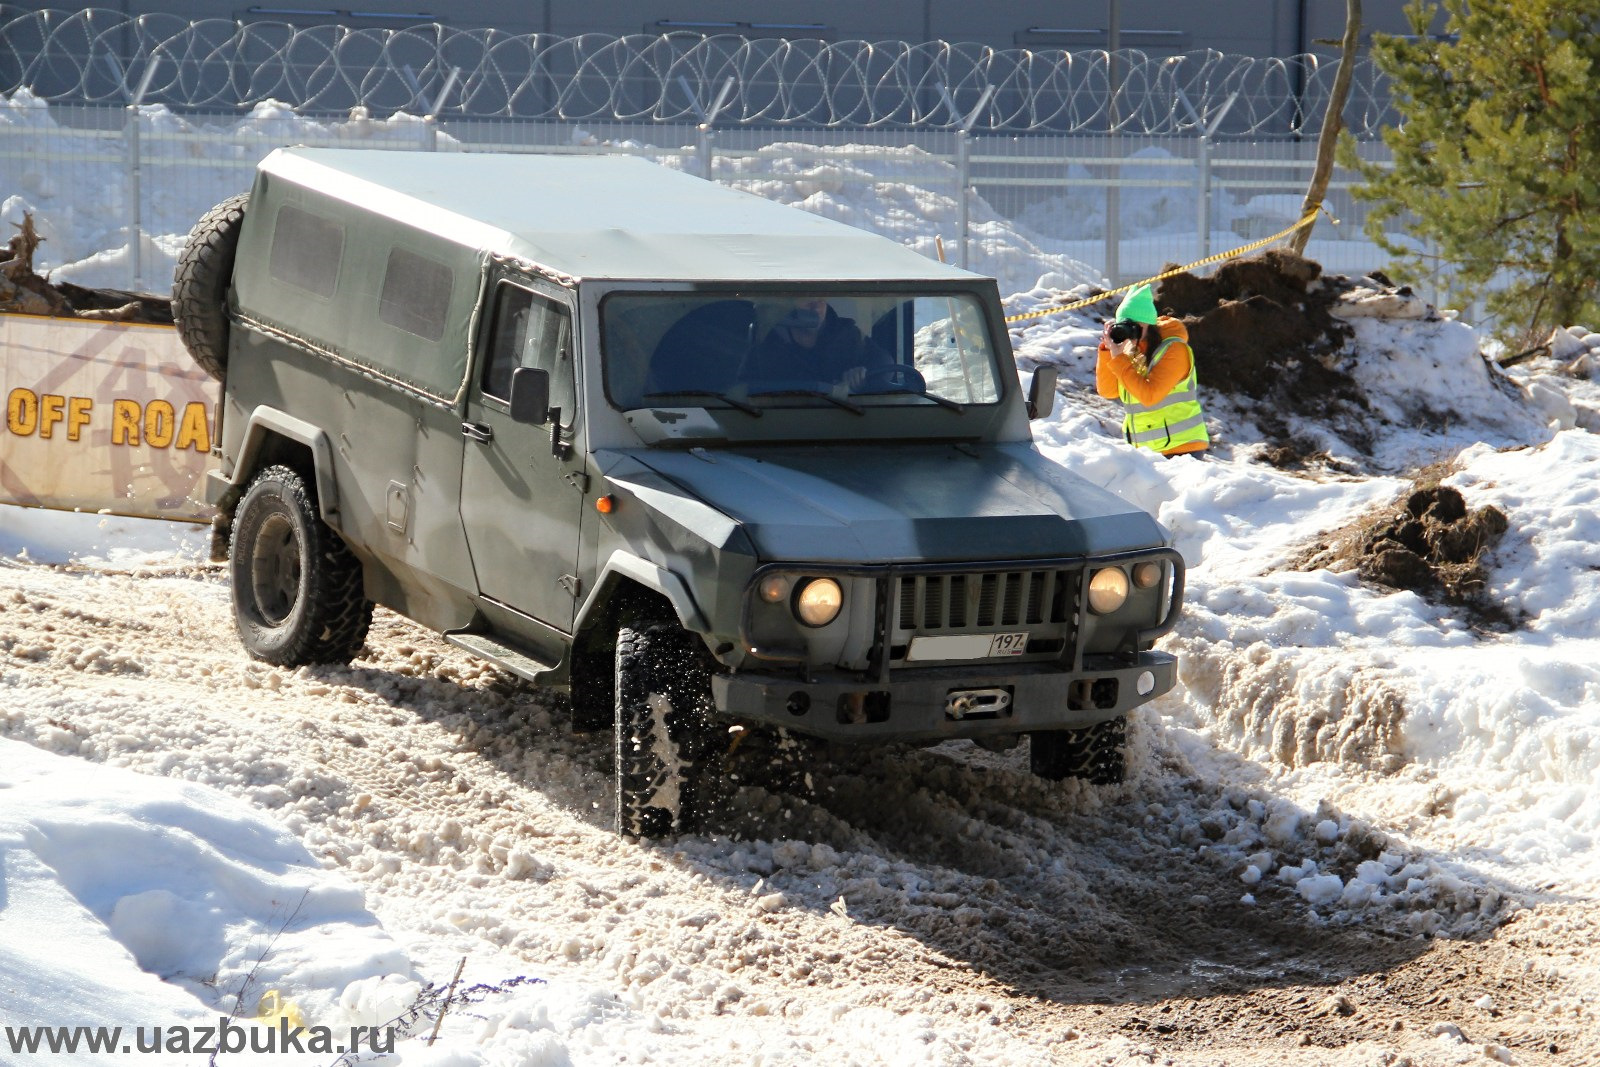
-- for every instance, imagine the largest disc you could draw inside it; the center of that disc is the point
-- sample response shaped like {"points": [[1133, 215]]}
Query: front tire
{"points": [[298, 596], [1096, 754], [664, 733]]}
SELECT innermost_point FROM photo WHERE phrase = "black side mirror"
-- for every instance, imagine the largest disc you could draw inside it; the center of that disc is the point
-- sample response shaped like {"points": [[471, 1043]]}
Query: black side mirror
{"points": [[530, 396], [1042, 393]]}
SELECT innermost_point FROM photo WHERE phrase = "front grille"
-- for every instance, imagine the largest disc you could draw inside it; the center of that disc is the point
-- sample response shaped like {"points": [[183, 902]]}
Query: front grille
{"points": [[933, 603]]}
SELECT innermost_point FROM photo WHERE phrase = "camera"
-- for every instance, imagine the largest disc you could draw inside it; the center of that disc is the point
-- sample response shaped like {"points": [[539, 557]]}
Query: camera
{"points": [[1124, 330]]}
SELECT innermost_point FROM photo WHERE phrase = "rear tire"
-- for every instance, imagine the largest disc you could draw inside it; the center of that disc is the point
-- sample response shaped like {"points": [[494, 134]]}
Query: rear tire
{"points": [[1095, 754], [297, 589], [200, 284], [665, 736]]}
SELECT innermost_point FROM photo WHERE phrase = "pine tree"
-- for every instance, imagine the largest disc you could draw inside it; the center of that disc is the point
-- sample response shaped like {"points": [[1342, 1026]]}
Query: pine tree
{"points": [[1496, 172]]}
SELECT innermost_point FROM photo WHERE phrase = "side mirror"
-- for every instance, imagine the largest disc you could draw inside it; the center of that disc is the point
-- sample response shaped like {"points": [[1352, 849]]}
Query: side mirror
{"points": [[1042, 393], [530, 396]]}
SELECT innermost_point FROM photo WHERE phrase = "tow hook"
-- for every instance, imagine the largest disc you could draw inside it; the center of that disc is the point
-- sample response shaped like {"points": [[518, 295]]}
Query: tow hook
{"points": [[973, 703]]}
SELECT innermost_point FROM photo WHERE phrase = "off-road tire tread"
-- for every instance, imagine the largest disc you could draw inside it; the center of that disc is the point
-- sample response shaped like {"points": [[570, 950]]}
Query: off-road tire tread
{"points": [[333, 627], [662, 657], [1096, 754], [200, 284]]}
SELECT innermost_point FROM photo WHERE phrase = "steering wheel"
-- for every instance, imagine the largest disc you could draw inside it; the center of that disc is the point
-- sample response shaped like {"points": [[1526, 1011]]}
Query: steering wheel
{"points": [[893, 378]]}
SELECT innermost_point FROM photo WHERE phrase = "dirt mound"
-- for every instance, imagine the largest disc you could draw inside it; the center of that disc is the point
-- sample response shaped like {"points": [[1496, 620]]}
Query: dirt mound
{"points": [[1262, 330], [23, 292], [1431, 544]]}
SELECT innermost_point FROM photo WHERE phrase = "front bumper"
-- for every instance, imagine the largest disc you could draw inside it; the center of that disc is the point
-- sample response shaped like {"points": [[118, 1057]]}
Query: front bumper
{"points": [[927, 704]]}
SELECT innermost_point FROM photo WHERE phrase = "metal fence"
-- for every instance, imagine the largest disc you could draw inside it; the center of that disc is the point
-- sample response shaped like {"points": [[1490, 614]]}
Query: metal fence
{"points": [[1082, 167], [1081, 209]]}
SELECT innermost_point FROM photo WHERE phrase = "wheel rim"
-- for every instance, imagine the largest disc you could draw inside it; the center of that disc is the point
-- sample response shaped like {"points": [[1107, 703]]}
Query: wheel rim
{"points": [[275, 570]]}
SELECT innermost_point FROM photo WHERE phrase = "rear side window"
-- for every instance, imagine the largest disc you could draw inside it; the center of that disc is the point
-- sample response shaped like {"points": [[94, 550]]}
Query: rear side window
{"points": [[306, 251], [416, 294]]}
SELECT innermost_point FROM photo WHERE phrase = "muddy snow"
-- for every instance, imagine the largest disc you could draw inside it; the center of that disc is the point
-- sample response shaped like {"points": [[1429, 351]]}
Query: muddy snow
{"points": [[938, 905]]}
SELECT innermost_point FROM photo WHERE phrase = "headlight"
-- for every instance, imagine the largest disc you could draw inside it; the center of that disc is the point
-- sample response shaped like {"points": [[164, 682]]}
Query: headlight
{"points": [[774, 588], [819, 601], [1146, 575], [1108, 590]]}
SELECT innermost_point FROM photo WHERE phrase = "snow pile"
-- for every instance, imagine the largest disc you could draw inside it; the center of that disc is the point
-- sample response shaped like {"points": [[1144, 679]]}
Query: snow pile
{"points": [[164, 902]]}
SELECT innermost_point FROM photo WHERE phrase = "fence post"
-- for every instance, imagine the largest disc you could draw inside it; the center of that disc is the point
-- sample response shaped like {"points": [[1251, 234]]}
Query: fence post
{"points": [[708, 118], [964, 126], [133, 163], [431, 119], [1113, 264], [964, 194], [1203, 160], [1205, 196], [135, 196], [704, 138]]}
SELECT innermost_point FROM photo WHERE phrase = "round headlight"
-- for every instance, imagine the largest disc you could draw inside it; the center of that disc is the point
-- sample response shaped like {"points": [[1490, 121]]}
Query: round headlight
{"points": [[774, 588], [819, 602], [1108, 589], [1146, 575]]}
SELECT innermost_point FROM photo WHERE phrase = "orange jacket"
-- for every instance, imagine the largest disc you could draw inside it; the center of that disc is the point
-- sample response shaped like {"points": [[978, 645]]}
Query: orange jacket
{"points": [[1114, 372]]}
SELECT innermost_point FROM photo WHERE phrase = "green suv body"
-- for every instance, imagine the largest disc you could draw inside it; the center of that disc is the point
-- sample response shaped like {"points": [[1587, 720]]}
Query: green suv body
{"points": [[563, 410]]}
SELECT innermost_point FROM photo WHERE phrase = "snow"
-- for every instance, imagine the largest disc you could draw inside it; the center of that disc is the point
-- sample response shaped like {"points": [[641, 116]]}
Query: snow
{"points": [[1352, 754]]}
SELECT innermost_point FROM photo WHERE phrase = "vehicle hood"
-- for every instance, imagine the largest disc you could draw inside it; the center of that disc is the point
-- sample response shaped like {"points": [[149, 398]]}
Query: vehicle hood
{"points": [[904, 503]]}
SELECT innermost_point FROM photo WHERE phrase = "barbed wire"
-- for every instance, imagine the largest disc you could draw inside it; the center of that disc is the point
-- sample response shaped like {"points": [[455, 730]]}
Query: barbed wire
{"points": [[97, 55]]}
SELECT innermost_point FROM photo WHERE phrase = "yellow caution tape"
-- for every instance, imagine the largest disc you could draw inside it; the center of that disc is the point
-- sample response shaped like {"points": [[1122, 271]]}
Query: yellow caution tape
{"points": [[1218, 258]]}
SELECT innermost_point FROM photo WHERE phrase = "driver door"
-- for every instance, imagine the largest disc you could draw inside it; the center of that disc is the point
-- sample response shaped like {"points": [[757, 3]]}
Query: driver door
{"points": [[521, 496]]}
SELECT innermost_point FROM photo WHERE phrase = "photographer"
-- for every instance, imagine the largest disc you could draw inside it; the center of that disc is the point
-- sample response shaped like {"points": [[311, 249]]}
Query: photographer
{"points": [[1146, 362]]}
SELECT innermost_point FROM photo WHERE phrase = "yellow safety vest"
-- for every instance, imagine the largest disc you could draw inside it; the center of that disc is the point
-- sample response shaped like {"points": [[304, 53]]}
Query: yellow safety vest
{"points": [[1176, 420]]}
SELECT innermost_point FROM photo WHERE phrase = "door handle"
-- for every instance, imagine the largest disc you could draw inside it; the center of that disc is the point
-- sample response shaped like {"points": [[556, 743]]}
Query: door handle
{"points": [[477, 431]]}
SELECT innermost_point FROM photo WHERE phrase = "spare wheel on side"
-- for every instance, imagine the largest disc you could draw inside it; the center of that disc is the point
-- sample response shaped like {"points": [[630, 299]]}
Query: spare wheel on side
{"points": [[200, 284]]}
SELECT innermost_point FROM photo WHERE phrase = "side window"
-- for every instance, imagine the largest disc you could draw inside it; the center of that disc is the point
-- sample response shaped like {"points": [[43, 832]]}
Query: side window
{"points": [[529, 330], [416, 294], [306, 250], [950, 348]]}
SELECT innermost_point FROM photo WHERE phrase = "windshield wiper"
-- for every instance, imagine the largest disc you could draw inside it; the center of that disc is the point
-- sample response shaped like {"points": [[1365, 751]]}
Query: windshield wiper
{"points": [[854, 409], [943, 401], [748, 409]]}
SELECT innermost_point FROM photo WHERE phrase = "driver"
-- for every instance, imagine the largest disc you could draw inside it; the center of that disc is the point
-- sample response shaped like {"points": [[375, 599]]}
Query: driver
{"points": [[814, 343]]}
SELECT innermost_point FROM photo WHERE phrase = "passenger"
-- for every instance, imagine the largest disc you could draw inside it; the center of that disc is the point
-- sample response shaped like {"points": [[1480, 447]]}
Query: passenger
{"points": [[813, 343]]}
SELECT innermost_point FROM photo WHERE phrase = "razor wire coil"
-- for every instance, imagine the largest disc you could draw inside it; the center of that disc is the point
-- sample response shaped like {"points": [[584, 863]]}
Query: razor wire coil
{"points": [[100, 56]]}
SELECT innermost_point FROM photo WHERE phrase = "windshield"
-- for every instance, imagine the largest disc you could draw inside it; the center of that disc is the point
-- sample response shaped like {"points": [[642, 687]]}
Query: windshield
{"points": [[755, 351]]}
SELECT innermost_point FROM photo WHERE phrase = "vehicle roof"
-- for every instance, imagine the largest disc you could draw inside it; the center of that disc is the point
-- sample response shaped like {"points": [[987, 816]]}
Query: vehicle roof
{"points": [[592, 216]]}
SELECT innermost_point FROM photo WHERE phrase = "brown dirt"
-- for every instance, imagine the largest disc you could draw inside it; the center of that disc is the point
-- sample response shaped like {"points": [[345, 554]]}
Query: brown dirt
{"points": [[1264, 333], [1430, 543]]}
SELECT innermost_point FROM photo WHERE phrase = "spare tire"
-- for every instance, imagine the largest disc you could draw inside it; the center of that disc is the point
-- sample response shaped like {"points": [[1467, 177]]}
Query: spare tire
{"points": [[200, 284]]}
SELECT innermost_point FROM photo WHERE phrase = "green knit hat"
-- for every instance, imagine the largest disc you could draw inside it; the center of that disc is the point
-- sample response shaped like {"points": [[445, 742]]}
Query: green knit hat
{"points": [[1138, 306]]}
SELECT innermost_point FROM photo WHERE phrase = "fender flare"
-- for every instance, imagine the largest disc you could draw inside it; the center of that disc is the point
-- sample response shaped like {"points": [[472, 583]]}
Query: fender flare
{"points": [[265, 421], [627, 566]]}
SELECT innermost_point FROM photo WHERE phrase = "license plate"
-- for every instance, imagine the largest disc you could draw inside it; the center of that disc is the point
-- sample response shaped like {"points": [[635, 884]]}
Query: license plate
{"points": [[967, 646], [1008, 644]]}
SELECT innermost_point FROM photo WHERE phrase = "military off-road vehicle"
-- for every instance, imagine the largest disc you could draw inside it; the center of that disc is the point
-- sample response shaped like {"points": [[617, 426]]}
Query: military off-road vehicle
{"points": [[723, 468]]}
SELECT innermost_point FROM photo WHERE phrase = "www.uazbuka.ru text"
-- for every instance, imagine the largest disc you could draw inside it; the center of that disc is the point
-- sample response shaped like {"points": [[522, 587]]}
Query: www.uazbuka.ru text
{"points": [[228, 1036]]}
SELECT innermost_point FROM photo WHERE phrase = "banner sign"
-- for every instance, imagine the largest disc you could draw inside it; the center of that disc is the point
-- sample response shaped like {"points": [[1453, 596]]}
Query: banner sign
{"points": [[108, 417]]}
